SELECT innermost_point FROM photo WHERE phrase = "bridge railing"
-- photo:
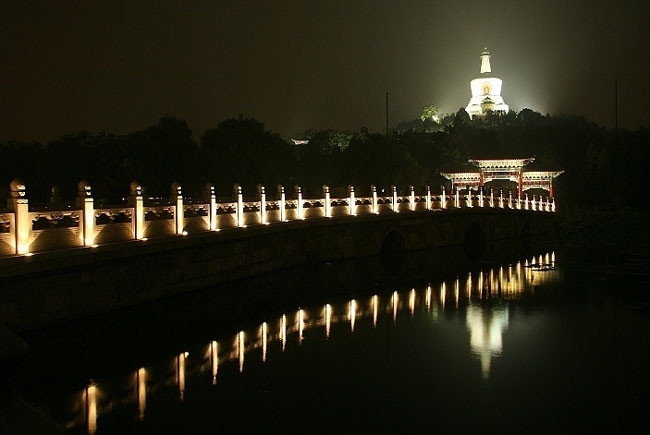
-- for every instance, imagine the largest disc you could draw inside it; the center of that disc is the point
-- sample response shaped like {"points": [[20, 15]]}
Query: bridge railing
{"points": [[25, 231]]}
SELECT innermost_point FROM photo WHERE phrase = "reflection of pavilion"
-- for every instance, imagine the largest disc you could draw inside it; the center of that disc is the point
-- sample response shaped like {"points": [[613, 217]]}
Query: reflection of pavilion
{"points": [[503, 169], [486, 325]]}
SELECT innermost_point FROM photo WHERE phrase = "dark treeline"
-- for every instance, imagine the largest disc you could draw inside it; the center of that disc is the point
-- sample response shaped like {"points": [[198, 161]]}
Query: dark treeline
{"points": [[603, 168]]}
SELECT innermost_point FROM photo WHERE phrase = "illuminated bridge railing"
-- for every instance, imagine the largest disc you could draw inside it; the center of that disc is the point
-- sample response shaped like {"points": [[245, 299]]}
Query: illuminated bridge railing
{"points": [[25, 231]]}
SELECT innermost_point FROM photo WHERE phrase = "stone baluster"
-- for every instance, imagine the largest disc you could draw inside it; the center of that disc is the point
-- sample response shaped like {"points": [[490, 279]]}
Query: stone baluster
{"points": [[176, 198], [301, 214], [239, 197], [22, 229], [262, 193], [395, 206], [328, 204], [283, 204], [210, 197], [87, 221], [137, 219], [375, 208]]}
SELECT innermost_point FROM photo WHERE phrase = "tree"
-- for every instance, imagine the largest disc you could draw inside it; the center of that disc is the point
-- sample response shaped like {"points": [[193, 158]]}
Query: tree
{"points": [[242, 151]]}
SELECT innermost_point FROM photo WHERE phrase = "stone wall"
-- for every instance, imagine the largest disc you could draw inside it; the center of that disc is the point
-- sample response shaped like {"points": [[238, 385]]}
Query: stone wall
{"points": [[64, 285]]}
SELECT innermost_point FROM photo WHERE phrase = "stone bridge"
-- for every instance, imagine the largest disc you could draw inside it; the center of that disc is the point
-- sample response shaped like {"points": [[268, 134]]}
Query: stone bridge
{"points": [[110, 258]]}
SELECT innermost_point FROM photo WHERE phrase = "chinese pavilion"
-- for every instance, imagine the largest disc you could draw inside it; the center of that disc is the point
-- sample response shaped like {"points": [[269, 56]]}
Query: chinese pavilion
{"points": [[503, 169]]}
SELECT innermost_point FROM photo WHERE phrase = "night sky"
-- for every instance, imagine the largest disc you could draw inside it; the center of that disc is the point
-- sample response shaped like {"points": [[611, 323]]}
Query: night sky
{"points": [[118, 66]]}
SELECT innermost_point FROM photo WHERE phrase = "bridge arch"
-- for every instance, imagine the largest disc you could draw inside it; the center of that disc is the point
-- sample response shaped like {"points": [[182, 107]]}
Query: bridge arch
{"points": [[393, 251], [474, 240]]}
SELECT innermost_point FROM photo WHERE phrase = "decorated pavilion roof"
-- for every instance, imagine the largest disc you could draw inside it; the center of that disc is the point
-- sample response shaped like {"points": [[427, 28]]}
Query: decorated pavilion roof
{"points": [[501, 164]]}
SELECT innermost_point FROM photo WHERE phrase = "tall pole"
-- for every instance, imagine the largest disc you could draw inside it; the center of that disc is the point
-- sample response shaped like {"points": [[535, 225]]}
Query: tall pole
{"points": [[386, 113], [616, 112]]}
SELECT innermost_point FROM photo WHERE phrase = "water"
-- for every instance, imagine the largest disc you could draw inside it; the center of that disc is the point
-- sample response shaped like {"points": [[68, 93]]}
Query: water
{"points": [[530, 345]]}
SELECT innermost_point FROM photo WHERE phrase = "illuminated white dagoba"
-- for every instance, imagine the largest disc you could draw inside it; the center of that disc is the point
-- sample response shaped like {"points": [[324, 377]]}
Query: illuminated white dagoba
{"points": [[486, 91]]}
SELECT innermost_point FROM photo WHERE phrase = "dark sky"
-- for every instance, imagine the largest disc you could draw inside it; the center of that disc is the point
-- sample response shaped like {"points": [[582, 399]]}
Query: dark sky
{"points": [[118, 66]]}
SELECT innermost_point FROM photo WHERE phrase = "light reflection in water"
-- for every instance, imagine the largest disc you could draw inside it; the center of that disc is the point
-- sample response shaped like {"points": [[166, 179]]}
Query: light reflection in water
{"points": [[328, 319], [486, 326], [141, 391], [180, 373], [91, 408], [214, 361], [301, 324], [375, 303], [241, 347], [427, 298], [395, 302], [486, 323], [353, 313], [264, 333], [283, 331]]}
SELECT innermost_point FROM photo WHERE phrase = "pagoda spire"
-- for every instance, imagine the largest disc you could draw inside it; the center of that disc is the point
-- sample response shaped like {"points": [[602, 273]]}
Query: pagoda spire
{"points": [[485, 61]]}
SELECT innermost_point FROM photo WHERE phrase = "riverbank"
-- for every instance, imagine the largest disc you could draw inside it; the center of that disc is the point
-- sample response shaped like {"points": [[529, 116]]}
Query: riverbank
{"points": [[609, 242]]}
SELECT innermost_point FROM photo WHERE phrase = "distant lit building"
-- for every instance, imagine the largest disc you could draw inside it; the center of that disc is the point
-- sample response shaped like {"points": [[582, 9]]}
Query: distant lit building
{"points": [[486, 91]]}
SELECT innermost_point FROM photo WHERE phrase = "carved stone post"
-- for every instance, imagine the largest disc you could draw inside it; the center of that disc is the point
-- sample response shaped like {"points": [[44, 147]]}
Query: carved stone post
{"points": [[299, 199], [261, 191], [136, 200], [394, 191], [18, 203], [239, 197], [283, 206], [428, 198], [176, 198], [328, 204], [352, 207], [210, 197], [373, 189], [412, 198], [87, 221]]}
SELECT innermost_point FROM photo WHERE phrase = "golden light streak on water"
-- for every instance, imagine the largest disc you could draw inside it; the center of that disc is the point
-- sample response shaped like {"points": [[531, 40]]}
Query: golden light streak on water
{"points": [[214, 360], [480, 284], [412, 302], [283, 331], [468, 284], [301, 324], [264, 341], [141, 387], [180, 374], [352, 313], [91, 408], [457, 291], [427, 298], [375, 303], [241, 347], [328, 319], [443, 294], [395, 301]]}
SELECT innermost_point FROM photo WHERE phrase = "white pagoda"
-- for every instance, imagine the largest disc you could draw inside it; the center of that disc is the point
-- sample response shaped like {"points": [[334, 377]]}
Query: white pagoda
{"points": [[486, 91]]}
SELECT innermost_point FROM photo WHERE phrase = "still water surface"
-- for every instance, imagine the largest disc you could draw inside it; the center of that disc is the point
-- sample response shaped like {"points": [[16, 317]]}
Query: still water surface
{"points": [[531, 346]]}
